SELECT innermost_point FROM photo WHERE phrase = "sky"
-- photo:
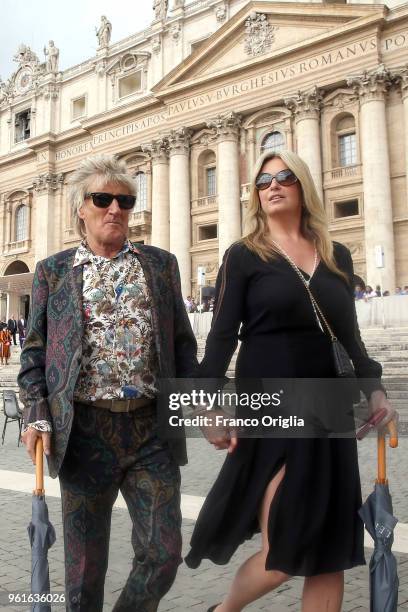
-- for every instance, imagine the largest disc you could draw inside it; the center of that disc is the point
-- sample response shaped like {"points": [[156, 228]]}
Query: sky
{"points": [[69, 23]]}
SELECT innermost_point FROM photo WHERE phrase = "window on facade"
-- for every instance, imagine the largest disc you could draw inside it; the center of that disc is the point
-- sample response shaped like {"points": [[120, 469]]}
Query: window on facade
{"points": [[21, 223], [211, 180], [347, 149], [130, 84], [79, 107], [22, 127], [348, 208], [207, 232], [274, 141], [141, 184]]}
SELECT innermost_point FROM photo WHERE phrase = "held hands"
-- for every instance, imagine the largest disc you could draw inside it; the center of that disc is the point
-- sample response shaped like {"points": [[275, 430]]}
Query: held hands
{"points": [[29, 439], [220, 435]]}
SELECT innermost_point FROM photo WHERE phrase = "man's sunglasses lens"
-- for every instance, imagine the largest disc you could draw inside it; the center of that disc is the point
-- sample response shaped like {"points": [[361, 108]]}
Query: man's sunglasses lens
{"points": [[284, 178], [103, 200]]}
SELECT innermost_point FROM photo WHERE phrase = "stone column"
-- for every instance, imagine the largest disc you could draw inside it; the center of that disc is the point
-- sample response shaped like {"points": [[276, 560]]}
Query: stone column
{"points": [[228, 181], [305, 107], [158, 150], [45, 232], [401, 77], [371, 87], [180, 213]]}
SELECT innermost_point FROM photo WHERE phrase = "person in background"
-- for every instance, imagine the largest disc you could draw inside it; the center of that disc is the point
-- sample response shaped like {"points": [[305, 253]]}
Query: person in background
{"points": [[369, 292], [386, 293], [12, 327], [5, 344], [22, 328], [378, 290], [358, 292], [405, 291], [398, 291]]}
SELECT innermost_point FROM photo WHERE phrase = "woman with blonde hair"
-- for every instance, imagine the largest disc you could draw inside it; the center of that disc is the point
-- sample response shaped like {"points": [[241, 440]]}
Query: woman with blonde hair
{"points": [[303, 494]]}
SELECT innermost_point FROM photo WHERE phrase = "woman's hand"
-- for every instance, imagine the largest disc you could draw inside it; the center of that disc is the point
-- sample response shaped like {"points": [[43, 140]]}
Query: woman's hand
{"points": [[378, 401], [218, 432]]}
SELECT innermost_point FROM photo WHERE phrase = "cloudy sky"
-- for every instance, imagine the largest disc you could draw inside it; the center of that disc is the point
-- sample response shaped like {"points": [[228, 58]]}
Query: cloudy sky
{"points": [[70, 23]]}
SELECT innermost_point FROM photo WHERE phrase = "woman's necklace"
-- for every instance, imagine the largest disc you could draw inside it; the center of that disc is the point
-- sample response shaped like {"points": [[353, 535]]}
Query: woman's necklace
{"points": [[292, 263]]}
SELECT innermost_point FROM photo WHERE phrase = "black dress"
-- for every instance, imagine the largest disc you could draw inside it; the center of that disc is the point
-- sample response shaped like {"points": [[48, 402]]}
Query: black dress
{"points": [[313, 525]]}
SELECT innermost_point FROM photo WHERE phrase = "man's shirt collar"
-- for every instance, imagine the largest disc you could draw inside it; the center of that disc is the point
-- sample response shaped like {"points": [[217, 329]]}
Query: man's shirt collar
{"points": [[84, 254]]}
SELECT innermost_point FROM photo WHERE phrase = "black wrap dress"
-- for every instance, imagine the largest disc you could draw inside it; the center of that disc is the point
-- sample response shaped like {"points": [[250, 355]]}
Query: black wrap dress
{"points": [[313, 525]]}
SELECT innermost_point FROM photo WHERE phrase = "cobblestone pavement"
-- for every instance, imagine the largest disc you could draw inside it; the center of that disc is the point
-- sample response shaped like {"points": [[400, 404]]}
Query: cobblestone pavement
{"points": [[193, 590]]}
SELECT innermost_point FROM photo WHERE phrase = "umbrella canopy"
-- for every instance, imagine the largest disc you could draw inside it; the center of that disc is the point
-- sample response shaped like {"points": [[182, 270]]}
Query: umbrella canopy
{"points": [[42, 536], [377, 515]]}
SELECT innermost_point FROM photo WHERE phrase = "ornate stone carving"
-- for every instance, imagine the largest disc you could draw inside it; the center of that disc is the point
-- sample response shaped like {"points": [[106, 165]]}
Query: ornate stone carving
{"points": [[160, 9], [175, 32], [371, 84], [158, 150], [25, 56], [259, 34], [305, 104], [221, 12], [226, 126], [125, 62], [340, 99], [356, 248], [179, 140], [52, 56], [104, 32], [48, 182], [156, 44], [400, 77]]}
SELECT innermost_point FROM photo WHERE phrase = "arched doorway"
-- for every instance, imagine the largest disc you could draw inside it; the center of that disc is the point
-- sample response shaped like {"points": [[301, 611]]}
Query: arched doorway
{"points": [[15, 287]]}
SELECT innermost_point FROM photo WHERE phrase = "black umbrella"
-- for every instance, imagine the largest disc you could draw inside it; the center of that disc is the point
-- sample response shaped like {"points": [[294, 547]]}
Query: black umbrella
{"points": [[377, 515], [42, 537]]}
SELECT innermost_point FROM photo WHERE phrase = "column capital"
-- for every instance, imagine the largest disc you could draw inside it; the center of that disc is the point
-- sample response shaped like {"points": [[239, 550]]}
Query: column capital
{"points": [[226, 127], [372, 84], [48, 182], [305, 104], [179, 141], [400, 76], [158, 150]]}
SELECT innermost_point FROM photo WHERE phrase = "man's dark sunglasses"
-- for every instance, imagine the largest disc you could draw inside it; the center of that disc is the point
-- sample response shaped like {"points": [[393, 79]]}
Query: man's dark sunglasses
{"points": [[104, 200], [284, 178]]}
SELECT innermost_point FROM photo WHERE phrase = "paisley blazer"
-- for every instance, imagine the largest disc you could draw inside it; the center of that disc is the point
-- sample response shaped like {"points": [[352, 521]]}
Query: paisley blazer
{"points": [[51, 356]]}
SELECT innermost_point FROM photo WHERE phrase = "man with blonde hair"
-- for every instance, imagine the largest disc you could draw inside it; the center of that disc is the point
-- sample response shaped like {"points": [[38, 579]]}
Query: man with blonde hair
{"points": [[107, 322]]}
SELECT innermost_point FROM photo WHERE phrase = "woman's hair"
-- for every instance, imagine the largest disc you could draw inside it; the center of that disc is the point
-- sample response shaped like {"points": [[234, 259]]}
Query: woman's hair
{"points": [[313, 221], [105, 168]]}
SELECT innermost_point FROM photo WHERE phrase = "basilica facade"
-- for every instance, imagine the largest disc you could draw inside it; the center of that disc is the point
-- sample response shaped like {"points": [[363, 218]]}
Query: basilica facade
{"points": [[190, 103]]}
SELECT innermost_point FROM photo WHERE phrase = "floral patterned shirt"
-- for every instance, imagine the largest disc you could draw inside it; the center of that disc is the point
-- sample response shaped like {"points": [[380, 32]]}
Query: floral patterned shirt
{"points": [[118, 353]]}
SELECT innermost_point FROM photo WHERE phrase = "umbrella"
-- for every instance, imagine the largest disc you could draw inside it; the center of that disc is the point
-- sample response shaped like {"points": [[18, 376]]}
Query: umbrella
{"points": [[42, 536], [378, 517]]}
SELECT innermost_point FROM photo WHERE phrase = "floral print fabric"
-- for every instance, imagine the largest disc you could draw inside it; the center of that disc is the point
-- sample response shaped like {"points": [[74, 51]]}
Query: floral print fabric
{"points": [[118, 354]]}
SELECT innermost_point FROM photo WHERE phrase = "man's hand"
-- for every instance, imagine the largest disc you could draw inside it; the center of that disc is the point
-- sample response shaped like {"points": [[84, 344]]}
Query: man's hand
{"points": [[378, 401], [29, 439], [221, 436]]}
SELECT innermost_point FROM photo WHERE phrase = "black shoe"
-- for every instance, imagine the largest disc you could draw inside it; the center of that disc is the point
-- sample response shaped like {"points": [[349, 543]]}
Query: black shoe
{"points": [[213, 608]]}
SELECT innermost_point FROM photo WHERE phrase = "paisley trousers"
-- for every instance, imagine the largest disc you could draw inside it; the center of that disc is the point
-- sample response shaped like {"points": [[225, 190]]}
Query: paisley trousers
{"points": [[107, 453]]}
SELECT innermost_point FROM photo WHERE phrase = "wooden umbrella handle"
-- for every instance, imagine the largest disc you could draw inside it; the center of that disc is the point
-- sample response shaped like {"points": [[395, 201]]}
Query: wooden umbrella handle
{"points": [[39, 467], [382, 468]]}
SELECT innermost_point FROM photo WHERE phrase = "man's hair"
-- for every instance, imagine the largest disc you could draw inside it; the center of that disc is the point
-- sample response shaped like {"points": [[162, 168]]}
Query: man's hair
{"points": [[105, 168]]}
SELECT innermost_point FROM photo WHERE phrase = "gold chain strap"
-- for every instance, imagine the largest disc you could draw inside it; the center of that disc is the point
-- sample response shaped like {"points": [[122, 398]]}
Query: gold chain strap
{"points": [[312, 299]]}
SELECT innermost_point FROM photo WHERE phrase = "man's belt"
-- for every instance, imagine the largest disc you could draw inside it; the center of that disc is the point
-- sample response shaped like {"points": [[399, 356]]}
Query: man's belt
{"points": [[120, 405]]}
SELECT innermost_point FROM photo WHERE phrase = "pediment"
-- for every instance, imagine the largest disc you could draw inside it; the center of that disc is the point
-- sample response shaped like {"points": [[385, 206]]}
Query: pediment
{"points": [[263, 30]]}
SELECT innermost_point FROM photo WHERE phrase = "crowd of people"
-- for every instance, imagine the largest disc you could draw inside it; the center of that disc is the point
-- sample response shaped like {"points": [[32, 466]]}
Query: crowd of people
{"points": [[367, 292], [8, 336], [206, 305]]}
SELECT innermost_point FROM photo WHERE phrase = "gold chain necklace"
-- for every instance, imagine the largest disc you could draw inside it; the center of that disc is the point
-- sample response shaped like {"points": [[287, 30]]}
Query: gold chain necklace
{"points": [[292, 263]]}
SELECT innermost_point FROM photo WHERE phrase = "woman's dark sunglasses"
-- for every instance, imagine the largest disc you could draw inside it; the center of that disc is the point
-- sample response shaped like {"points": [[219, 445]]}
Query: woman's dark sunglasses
{"points": [[284, 178], [104, 200]]}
